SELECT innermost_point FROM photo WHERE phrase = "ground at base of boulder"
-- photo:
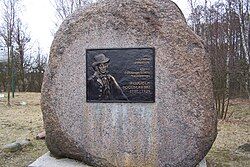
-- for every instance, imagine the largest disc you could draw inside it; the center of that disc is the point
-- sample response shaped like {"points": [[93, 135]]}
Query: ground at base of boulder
{"points": [[47, 160]]}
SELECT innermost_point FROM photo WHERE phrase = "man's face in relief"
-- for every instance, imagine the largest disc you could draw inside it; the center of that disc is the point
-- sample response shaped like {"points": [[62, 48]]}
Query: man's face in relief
{"points": [[103, 68]]}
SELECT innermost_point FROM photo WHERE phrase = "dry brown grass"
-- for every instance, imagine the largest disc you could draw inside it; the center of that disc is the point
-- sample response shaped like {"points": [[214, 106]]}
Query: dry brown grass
{"points": [[24, 122], [232, 133], [21, 122]]}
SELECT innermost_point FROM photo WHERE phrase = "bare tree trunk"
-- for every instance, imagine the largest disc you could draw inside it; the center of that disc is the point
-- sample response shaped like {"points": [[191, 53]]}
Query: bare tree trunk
{"points": [[244, 42], [219, 106], [21, 38], [192, 4], [226, 110], [8, 76], [12, 72], [248, 40], [223, 104]]}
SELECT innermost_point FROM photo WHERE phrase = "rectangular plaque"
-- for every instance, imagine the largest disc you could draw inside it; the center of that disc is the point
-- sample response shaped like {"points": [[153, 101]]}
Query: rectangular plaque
{"points": [[124, 75]]}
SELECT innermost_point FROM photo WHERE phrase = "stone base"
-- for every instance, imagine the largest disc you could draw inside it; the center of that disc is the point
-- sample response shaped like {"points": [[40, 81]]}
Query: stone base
{"points": [[203, 163], [47, 160]]}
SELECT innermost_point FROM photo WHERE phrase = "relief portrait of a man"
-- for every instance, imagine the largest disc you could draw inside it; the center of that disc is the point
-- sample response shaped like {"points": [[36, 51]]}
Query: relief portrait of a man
{"points": [[102, 86]]}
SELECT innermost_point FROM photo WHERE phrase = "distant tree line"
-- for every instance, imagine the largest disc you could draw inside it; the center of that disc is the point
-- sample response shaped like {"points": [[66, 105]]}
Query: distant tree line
{"points": [[21, 68], [225, 29]]}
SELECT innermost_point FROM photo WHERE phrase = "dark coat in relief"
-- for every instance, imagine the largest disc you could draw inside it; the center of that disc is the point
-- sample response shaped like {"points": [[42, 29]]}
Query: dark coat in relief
{"points": [[104, 88]]}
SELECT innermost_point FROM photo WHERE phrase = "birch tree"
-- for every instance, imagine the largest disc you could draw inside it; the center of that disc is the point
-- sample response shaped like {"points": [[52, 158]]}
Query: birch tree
{"points": [[224, 26], [244, 21]]}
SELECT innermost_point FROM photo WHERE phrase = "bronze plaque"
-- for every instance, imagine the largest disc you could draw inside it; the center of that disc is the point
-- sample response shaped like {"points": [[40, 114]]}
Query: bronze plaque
{"points": [[124, 75]]}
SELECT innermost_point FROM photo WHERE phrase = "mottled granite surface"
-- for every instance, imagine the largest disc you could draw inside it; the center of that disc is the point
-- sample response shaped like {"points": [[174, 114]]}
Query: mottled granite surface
{"points": [[177, 130]]}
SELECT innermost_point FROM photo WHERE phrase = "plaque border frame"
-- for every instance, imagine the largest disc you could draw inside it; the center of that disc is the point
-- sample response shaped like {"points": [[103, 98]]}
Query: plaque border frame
{"points": [[120, 101]]}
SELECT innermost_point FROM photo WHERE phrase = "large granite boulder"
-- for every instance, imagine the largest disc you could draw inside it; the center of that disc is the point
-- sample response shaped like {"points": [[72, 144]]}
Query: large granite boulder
{"points": [[178, 129]]}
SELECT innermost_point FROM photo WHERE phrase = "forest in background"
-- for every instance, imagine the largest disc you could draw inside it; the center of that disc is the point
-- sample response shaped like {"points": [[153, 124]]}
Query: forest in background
{"points": [[225, 29], [223, 25], [22, 63]]}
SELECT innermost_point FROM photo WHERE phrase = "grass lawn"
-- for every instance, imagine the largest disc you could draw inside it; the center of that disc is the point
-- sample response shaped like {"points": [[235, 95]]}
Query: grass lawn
{"points": [[24, 122], [21, 122], [232, 133]]}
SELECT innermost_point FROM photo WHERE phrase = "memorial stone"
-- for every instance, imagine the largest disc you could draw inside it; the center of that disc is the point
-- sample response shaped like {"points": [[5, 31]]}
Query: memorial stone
{"points": [[129, 84]]}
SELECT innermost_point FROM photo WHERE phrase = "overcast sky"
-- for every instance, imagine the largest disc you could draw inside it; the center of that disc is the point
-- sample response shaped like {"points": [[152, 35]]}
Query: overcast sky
{"points": [[39, 17]]}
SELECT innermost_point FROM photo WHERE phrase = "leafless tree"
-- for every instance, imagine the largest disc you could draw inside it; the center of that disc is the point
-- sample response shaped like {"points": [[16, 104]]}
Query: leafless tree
{"points": [[35, 66], [22, 38], [10, 8], [224, 26], [66, 7], [193, 16], [244, 27]]}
